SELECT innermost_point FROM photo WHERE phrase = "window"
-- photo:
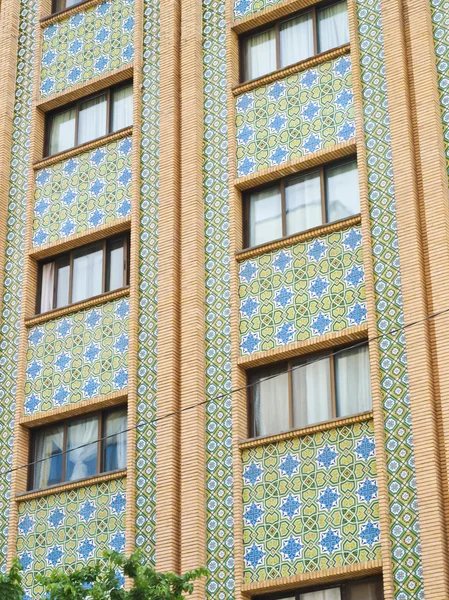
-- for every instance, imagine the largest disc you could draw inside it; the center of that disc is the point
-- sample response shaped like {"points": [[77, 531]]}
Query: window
{"points": [[74, 449], [89, 118], [294, 39], [59, 5], [83, 273], [366, 589], [309, 390], [301, 202]]}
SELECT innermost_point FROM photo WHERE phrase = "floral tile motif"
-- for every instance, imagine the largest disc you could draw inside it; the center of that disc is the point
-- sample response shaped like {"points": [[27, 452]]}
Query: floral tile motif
{"points": [[243, 8], [310, 503], [148, 256], [70, 529], [295, 116], [86, 191], [12, 278], [440, 20], [302, 291], [87, 45], [219, 483], [404, 514], [77, 357]]}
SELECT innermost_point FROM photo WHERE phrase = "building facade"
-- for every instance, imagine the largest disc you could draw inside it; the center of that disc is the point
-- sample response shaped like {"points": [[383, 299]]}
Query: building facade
{"points": [[224, 266]]}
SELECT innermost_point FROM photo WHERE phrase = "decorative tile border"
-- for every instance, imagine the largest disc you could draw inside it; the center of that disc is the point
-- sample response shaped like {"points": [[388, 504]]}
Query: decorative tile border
{"points": [[70, 529], [89, 190], [219, 482], [86, 45], [295, 116], [307, 290], [310, 503], [243, 8], [77, 357], [404, 519], [148, 254], [12, 288]]}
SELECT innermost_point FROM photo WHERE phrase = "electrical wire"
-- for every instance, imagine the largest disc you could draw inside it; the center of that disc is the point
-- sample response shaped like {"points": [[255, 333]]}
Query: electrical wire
{"points": [[233, 391]]}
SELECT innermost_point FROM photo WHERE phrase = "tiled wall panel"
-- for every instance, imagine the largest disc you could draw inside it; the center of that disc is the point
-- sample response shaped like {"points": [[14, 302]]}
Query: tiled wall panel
{"points": [[77, 357], [86, 191], [87, 45], [310, 503], [295, 116], [302, 291], [70, 529]]}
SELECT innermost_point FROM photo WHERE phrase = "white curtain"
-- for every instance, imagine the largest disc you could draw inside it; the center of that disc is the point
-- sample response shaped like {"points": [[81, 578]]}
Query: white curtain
{"points": [[116, 267], [260, 54], [331, 594], [62, 131], [333, 26], [87, 275], [303, 202], [271, 410], [311, 392], [296, 39], [62, 291], [92, 119], [122, 108], [342, 191], [82, 462], [365, 591], [115, 447], [47, 286], [265, 216], [353, 382], [47, 444]]}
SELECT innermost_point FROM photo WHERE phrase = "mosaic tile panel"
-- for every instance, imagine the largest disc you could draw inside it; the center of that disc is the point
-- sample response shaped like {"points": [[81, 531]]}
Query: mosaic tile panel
{"points": [[87, 45], [148, 253], [295, 116], [12, 278], [403, 504], [440, 21], [86, 191], [243, 8], [219, 482], [302, 291], [310, 503], [69, 530], [77, 357]]}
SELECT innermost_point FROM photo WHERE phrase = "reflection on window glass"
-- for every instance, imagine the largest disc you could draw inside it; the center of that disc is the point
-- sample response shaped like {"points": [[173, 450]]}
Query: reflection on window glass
{"points": [[115, 441], [48, 447], [62, 290], [333, 26], [82, 456], [115, 267], [342, 191], [353, 385], [303, 202]]}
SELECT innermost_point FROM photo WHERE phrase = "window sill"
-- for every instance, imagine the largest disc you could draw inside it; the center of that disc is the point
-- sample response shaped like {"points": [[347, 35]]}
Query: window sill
{"points": [[72, 485], [295, 433], [76, 307], [66, 13], [297, 238], [298, 67]]}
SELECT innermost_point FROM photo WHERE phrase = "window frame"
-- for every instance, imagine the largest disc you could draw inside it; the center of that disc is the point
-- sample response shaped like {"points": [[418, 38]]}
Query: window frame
{"points": [[246, 199], [101, 414], [61, 258], [61, 10], [289, 365], [49, 116], [314, 8], [343, 586]]}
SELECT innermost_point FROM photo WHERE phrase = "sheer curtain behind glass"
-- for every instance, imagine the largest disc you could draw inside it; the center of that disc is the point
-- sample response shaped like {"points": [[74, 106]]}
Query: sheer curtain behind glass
{"points": [[311, 393], [260, 54], [82, 462], [303, 202], [115, 447], [122, 108], [92, 119], [87, 274], [331, 594], [47, 286], [342, 191], [62, 131], [116, 268], [296, 39], [353, 386], [265, 216], [62, 290], [365, 591], [48, 445], [271, 410], [333, 26]]}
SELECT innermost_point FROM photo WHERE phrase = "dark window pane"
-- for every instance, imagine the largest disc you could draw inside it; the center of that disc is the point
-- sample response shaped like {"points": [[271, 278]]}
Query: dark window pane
{"points": [[265, 215], [63, 278], [82, 461], [296, 39], [87, 273], [115, 446], [259, 54], [48, 446], [365, 591], [92, 119], [122, 108], [311, 386], [342, 191], [270, 397], [352, 382], [333, 26], [62, 131], [329, 594], [115, 278], [303, 202]]}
